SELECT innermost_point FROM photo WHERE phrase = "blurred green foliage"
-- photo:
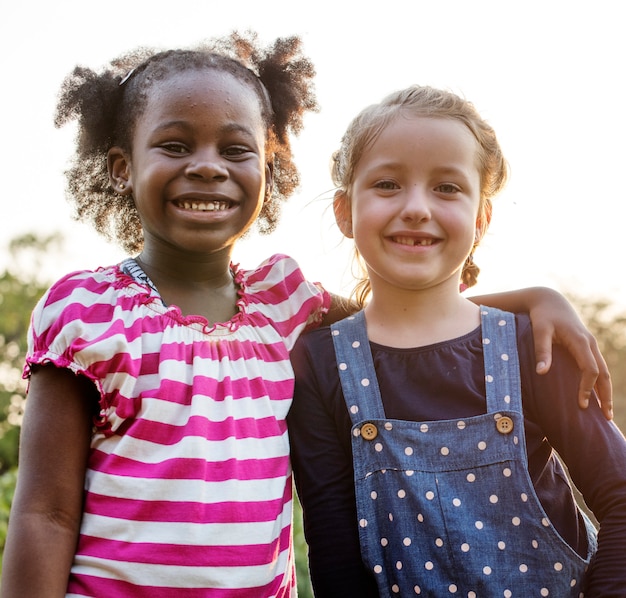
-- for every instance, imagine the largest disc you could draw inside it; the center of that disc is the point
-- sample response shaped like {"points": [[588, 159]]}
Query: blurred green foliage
{"points": [[302, 566], [21, 285], [607, 322], [7, 489]]}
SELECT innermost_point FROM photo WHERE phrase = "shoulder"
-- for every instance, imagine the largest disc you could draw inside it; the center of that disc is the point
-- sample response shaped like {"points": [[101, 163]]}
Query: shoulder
{"points": [[83, 289], [82, 304], [279, 290], [317, 392], [563, 362], [73, 310], [314, 353], [523, 328], [80, 279], [313, 341], [275, 271], [78, 287], [550, 395], [94, 282]]}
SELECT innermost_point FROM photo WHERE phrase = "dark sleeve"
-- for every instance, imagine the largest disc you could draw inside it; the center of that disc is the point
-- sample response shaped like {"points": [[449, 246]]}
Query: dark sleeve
{"points": [[594, 451], [319, 430]]}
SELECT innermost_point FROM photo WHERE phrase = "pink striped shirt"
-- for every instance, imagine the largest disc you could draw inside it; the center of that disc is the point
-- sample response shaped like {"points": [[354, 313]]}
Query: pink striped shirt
{"points": [[188, 486]]}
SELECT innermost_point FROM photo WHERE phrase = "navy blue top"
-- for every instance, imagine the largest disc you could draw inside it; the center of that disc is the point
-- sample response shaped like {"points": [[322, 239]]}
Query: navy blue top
{"points": [[445, 381]]}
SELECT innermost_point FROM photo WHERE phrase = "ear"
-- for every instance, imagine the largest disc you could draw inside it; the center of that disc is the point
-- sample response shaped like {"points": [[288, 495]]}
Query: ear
{"points": [[482, 223], [118, 165], [343, 213], [269, 179]]}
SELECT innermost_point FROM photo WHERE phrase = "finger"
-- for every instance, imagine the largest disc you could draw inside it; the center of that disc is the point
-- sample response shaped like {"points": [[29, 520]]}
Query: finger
{"points": [[587, 361], [585, 388], [603, 385], [604, 389], [543, 348]]}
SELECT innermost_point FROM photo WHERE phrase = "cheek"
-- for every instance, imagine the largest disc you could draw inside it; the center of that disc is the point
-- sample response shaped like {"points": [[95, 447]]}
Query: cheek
{"points": [[364, 210], [360, 224], [463, 223]]}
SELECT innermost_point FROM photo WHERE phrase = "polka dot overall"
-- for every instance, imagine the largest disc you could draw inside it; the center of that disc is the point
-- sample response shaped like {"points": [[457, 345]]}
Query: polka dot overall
{"points": [[447, 508]]}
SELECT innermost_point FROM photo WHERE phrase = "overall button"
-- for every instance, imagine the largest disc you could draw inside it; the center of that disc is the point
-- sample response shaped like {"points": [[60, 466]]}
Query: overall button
{"points": [[369, 431], [504, 425]]}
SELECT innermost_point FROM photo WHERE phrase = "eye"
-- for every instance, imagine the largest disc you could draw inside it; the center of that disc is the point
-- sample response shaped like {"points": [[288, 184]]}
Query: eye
{"points": [[236, 151], [386, 185], [174, 147], [448, 188]]}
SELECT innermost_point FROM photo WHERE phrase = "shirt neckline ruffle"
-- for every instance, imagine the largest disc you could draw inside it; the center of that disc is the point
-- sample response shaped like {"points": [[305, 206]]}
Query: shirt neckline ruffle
{"points": [[129, 272]]}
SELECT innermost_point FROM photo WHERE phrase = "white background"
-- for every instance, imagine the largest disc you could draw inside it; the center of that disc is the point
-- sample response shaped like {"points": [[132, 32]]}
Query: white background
{"points": [[548, 75]]}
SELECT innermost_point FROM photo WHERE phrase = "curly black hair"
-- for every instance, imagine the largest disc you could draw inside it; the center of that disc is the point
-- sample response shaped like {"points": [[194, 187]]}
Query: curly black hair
{"points": [[107, 105]]}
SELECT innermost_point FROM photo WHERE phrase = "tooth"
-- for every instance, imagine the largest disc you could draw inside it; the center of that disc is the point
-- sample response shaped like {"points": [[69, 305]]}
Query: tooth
{"points": [[209, 206]]}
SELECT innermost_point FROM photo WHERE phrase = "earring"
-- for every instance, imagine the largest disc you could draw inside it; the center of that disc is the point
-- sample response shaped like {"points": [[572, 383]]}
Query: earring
{"points": [[122, 186]]}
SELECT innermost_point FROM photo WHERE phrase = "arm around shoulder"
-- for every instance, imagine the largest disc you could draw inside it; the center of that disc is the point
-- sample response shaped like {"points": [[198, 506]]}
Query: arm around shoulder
{"points": [[554, 320], [47, 507]]}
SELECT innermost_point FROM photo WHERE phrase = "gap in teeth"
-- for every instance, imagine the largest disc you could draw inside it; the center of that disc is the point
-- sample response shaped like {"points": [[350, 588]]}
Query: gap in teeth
{"points": [[413, 242]]}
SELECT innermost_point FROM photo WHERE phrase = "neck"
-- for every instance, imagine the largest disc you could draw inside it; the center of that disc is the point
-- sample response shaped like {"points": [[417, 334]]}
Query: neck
{"points": [[198, 285], [406, 319], [169, 267]]}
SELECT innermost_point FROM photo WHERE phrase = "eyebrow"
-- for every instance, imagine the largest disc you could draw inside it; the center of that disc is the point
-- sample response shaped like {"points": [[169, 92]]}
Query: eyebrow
{"points": [[229, 128], [397, 165], [452, 170]]}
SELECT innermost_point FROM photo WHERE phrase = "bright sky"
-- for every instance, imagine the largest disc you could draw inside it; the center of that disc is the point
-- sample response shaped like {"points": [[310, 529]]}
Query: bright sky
{"points": [[548, 75]]}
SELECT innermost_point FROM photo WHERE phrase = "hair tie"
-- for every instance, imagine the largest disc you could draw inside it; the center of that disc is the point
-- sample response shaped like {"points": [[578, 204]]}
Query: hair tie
{"points": [[127, 76]]}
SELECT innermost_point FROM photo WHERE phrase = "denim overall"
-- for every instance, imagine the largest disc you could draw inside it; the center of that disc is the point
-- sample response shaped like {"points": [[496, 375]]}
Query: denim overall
{"points": [[447, 508]]}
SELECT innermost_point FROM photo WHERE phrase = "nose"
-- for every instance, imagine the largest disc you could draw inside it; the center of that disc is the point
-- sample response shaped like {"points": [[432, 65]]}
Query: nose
{"points": [[207, 164], [416, 205]]}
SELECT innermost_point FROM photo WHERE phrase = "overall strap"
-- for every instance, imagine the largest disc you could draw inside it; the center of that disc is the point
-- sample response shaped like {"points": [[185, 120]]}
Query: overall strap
{"points": [[358, 377], [502, 372], [356, 369]]}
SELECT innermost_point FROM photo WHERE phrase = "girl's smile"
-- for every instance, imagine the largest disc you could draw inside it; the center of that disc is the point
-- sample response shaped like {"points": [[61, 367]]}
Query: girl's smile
{"points": [[172, 381], [198, 170], [214, 205], [413, 240], [414, 203]]}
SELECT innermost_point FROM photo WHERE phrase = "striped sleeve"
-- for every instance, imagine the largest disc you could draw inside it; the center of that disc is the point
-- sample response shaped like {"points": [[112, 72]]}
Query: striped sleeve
{"points": [[279, 292]]}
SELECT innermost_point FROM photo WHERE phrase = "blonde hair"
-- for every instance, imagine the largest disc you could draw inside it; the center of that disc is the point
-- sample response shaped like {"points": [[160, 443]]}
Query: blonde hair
{"points": [[429, 102]]}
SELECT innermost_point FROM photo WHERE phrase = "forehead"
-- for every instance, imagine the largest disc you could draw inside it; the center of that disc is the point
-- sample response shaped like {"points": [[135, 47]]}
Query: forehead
{"points": [[424, 136], [202, 92], [412, 142]]}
